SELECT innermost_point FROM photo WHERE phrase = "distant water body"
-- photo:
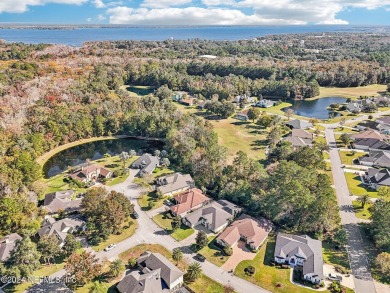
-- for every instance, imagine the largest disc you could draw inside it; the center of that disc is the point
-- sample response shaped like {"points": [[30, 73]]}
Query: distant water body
{"points": [[77, 36]]}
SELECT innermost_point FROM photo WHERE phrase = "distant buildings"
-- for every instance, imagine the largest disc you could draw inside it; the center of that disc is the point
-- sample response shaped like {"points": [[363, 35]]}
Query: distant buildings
{"points": [[301, 251], [263, 103], [155, 274]]}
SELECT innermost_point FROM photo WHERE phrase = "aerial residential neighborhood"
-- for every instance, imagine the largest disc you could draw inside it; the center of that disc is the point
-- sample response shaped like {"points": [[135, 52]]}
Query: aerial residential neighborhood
{"points": [[194, 159]]}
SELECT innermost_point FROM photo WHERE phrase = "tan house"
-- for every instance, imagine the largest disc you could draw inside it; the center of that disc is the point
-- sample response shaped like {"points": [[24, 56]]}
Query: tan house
{"points": [[369, 133], [7, 245], [188, 201], [61, 200], [174, 183], [250, 230], [89, 173]]}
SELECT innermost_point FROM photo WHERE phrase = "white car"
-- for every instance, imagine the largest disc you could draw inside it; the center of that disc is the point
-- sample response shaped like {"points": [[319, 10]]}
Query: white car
{"points": [[109, 247], [333, 277]]}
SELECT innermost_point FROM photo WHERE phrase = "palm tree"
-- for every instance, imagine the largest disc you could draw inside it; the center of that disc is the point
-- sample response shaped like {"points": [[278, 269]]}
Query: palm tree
{"points": [[194, 271], [116, 267], [123, 156], [132, 153], [364, 199], [177, 255]]}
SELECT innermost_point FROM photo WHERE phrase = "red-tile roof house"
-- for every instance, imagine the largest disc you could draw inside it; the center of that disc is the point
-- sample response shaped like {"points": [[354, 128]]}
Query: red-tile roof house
{"points": [[187, 201], [90, 173], [253, 231]]}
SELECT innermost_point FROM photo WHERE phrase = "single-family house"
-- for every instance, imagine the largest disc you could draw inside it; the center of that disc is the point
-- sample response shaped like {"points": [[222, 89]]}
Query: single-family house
{"points": [[61, 228], [243, 115], [187, 101], [188, 201], [244, 98], [215, 216], [263, 103], [178, 96], [376, 158], [174, 183], [354, 106], [300, 251], [383, 124], [61, 200], [156, 274], [7, 245], [90, 172], [378, 177], [368, 133], [371, 144], [299, 124], [146, 163], [250, 230], [300, 138]]}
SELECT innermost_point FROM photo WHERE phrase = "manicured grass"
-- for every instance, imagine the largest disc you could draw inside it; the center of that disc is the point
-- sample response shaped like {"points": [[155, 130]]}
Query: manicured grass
{"points": [[158, 172], [203, 284], [144, 200], [336, 257], [356, 187], [213, 253], [126, 233], [326, 155], [346, 130], [164, 221], [361, 213], [352, 92], [267, 276], [320, 139], [140, 90], [58, 183], [348, 157]]}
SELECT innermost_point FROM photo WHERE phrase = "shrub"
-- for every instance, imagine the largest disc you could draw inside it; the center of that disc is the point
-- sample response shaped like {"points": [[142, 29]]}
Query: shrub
{"points": [[279, 285], [249, 270], [284, 266], [228, 250], [132, 262]]}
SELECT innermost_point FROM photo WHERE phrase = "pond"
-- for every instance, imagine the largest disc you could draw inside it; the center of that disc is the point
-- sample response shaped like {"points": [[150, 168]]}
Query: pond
{"points": [[316, 108], [95, 150]]}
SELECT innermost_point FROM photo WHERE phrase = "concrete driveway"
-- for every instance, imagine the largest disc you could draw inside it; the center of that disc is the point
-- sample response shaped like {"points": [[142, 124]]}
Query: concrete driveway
{"points": [[347, 281], [240, 253]]}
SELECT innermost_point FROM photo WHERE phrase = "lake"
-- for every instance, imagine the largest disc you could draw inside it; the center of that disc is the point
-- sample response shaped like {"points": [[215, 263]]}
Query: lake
{"points": [[94, 151], [316, 108], [77, 36]]}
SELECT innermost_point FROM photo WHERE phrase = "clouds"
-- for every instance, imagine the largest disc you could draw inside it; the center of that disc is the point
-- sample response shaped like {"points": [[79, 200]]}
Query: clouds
{"points": [[209, 12], [19, 6]]}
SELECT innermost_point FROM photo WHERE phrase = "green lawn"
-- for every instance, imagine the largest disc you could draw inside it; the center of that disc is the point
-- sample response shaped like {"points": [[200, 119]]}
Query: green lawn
{"points": [[347, 157], [345, 130], [267, 276], [320, 139], [58, 183], [361, 213], [158, 172], [164, 221], [356, 187], [126, 233], [201, 285], [144, 200], [138, 90], [336, 257], [213, 253]]}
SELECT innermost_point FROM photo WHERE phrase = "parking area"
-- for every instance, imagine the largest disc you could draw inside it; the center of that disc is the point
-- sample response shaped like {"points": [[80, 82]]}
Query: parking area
{"points": [[240, 253], [347, 281]]}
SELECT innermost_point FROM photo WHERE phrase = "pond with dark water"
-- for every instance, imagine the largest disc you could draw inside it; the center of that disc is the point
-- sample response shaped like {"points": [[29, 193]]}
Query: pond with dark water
{"points": [[95, 150], [316, 108]]}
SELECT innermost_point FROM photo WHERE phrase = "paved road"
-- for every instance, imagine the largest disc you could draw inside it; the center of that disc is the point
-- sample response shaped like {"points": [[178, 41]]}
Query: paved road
{"points": [[356, 252], [149, 232]]}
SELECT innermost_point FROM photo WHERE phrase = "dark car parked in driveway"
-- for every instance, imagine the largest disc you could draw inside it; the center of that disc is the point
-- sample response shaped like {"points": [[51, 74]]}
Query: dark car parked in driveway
{"points": [[135, 215], [199, 257]]}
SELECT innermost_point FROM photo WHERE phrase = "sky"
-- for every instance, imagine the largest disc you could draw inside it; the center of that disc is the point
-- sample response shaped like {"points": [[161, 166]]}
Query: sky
{"points": [[197, 12]]}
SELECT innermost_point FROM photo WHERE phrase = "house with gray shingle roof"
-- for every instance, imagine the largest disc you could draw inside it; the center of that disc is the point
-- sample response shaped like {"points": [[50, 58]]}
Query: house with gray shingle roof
{"points": [[156, 274], [7, 244], [146, 163], [376, 158], [61, 228], [215, 216], [378, 177], [174, 183], [303, 252], [371, 144], [61, 200], [299, 124]]}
